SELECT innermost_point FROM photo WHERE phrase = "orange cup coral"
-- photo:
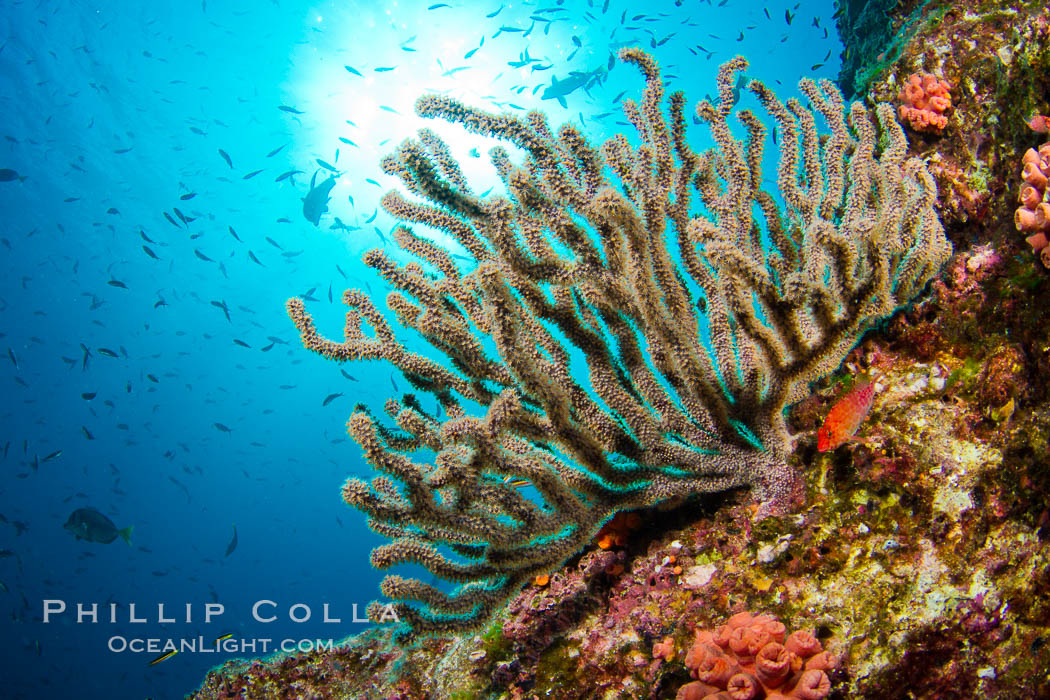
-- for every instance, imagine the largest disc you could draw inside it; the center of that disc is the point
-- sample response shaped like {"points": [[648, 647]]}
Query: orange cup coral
{"points": [[925, 100], [614, 533], [1033, 216], [751, 657]]}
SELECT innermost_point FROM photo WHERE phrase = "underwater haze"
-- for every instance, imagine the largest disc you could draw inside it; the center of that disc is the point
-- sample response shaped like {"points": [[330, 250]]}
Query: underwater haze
{"points": [[173, 173]]}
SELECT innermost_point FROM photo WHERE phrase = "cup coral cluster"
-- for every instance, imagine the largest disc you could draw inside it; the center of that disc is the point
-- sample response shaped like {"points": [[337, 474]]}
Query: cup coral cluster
{"points": [[1033, 216], [751, 657], [614, 533], [925, 100]]}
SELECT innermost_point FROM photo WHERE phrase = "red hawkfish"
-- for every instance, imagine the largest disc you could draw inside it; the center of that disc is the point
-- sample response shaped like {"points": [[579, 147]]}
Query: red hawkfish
{"points": [[846, 416]]}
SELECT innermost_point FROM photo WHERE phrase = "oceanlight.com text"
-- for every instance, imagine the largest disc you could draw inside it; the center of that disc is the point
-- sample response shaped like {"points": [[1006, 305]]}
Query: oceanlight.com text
{"points": [[199, 645]]}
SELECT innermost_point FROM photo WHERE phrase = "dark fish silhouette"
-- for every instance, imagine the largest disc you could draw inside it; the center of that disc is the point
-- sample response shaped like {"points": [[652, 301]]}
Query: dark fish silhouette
{"points": [[558, 89], [88, 524], [315, 203], [233, 543], [288, 174], [225, 309], [185, 219]]}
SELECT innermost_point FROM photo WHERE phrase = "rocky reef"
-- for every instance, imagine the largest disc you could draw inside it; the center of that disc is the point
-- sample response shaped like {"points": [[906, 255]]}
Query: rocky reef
{"points": [[919, 557]]}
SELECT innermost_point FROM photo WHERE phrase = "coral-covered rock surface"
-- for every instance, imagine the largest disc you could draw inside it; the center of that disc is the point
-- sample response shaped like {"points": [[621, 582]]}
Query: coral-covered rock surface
{"points": [[996, 57]]}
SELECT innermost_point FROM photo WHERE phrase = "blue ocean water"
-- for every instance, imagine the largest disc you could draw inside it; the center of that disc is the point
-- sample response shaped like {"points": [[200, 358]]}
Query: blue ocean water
{"points": [[148, 243]]}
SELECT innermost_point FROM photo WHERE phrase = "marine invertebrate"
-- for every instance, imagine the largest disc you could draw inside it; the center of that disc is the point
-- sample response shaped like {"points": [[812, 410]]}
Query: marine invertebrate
{"points": [[925, 99], [625, 347], [1033, 216], [614, 533], [752, 656]]}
